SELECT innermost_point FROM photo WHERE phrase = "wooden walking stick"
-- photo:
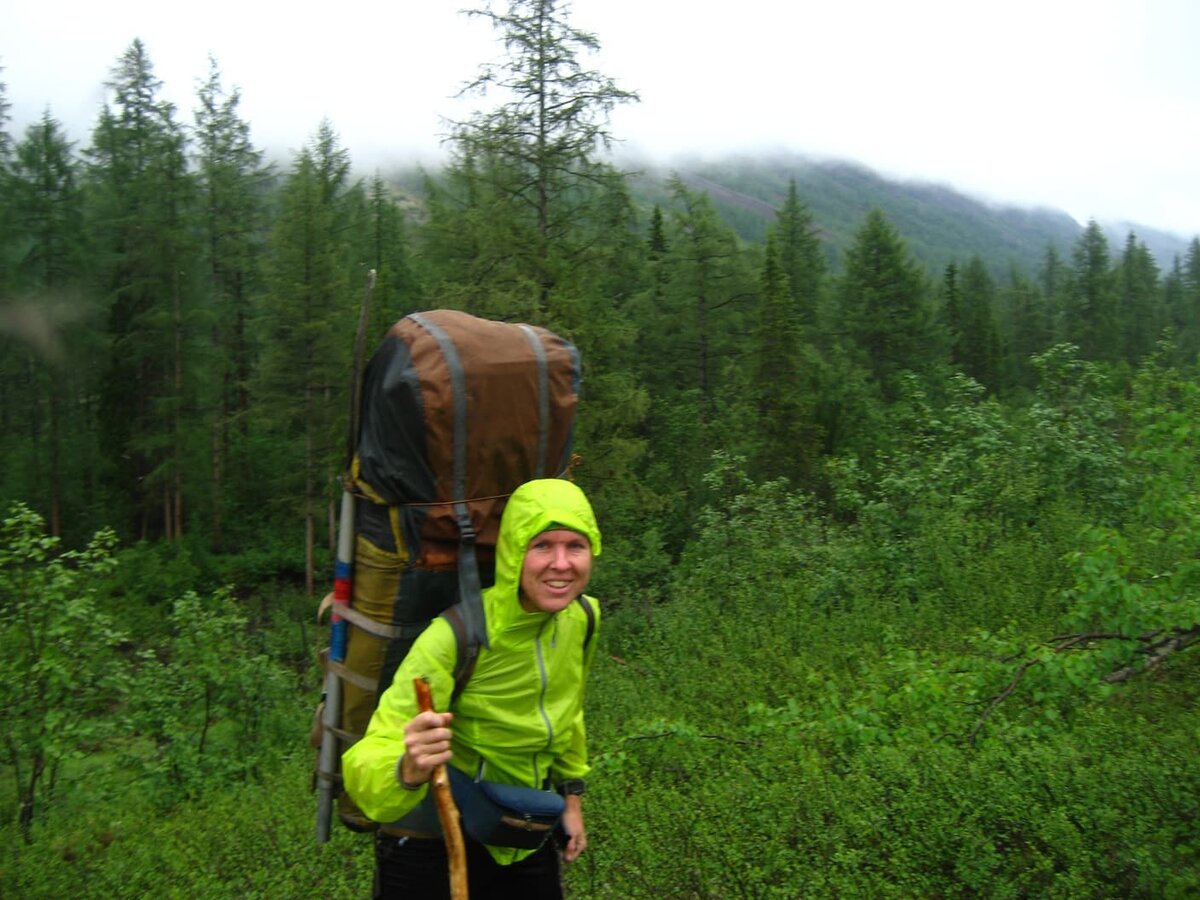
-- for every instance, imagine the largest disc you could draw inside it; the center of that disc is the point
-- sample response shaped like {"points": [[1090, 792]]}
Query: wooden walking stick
{"points": [[456, 848]]}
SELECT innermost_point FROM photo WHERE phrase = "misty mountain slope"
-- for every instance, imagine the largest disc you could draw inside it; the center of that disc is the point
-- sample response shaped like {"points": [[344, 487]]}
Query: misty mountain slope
{"points": [[939, 224]]}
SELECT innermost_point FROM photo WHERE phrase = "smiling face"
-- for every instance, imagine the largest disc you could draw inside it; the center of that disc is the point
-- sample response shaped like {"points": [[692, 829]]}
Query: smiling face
{"points": [[557, 567]]}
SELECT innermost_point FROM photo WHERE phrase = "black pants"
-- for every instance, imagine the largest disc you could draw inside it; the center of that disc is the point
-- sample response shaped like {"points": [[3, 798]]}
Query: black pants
{"points": [[414, 869]]}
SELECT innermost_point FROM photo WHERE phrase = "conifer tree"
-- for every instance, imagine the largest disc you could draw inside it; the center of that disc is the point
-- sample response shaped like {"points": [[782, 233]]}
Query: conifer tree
{"points": [[531, 163], [46, 204], [1051, 280], [1031, 328], [311, 312], [232, 180], [705, 305], [397, 292], [1140, 314], [1184, 311], [950, 315], [800, 256], [1172, 300], [695, 307], [883, 311], [7, 236], [1089, 313], [656, 244], [783, 384], [142, 195], [5, 118], [978, 347]]}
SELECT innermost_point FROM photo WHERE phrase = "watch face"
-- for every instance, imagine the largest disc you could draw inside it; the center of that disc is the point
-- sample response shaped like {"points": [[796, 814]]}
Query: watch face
{"points": [[573, 786]]}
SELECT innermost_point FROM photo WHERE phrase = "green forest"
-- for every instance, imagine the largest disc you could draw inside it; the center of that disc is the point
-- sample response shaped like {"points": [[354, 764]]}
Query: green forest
{"points": [[900, 573]]}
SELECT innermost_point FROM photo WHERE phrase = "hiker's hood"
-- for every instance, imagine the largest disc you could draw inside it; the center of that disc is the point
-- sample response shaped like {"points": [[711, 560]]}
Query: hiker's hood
{"points": [[534, 507]]}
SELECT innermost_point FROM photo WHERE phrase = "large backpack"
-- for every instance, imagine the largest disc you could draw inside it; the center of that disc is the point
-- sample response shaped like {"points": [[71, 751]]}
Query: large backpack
{"points": [[456, 413]]}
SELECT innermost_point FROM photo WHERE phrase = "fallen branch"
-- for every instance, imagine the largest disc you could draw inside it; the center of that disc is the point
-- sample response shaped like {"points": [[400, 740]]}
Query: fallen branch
{"points": [[1155, 645], [1000, 698], [1156, 652]]}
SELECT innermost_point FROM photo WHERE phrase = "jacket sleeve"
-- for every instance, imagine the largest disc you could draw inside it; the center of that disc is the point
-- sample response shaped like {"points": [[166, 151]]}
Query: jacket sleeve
{"points": [[369, 766], [573, 762]]}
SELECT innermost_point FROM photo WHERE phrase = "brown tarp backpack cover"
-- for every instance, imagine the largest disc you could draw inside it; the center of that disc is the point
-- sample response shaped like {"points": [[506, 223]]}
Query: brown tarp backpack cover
{"points": [[456, 413]]}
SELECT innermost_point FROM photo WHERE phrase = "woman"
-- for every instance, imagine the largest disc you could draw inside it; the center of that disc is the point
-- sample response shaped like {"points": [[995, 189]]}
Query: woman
{"points": [[519, 719]]}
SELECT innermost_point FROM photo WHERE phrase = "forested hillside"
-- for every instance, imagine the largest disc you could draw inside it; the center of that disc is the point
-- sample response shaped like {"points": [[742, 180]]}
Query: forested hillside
{"points": [[939, 224], [899, 494]]}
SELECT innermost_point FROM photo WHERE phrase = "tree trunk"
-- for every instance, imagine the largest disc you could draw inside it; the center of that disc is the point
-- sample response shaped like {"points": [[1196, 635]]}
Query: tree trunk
{"points": [[218, 474], [309, 500], [55, 462], [177, 418]]}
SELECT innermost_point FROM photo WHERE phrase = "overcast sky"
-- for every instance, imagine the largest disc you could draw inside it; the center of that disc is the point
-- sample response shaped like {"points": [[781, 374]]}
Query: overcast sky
{"points": [[1090, 106]]}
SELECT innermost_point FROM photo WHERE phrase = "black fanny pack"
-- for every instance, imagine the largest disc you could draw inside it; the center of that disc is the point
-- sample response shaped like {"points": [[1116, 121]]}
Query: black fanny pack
{"points": [[503, 815]]}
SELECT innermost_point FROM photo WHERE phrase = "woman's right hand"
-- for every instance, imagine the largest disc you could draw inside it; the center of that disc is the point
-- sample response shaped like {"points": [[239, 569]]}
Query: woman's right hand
{"points": [[426, 746]]}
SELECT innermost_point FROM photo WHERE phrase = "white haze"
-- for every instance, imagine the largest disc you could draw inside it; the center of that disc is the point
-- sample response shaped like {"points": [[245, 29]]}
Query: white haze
{"points": [[1090, 106]]}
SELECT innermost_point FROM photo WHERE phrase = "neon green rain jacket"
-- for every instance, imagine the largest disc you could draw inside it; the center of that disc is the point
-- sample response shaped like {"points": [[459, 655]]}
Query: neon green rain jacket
{"points": [[520, 718]]}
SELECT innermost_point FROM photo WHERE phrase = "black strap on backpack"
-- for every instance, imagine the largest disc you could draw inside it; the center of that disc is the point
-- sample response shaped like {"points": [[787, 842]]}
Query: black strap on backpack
{"points": [[469, 585], [468, 650]]}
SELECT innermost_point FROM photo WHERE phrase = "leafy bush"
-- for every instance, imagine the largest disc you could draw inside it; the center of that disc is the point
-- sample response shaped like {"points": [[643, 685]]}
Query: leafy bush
{"points": [[214, 708], [59, 672]]}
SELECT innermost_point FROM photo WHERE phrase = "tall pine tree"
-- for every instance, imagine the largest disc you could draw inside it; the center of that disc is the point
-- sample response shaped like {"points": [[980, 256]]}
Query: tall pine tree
{"points": [[397, 291], [142, 196], [534, 155], [977, 349], [883, 311], [1030, 328], [46, 205], [783, 387], [1089, 311], [801, 258], [232, 182], [1139, 307], [1184, 310], [309, 324]]}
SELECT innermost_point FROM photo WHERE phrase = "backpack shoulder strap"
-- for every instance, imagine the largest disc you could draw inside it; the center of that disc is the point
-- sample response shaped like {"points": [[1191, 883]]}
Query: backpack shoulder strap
{"points": [[467, 651], [591, 620]]}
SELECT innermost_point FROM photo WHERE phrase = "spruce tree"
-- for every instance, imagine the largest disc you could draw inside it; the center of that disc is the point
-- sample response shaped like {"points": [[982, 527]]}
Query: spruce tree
{"points": [[1140, 314], [310, 318], [397, 291], [656, 244], [705, 305], [8, 249], [950, 314], [883, 311], [979, 347], [800, 256], [1089, 312], [783, 383], [232, 181], [142, 194], [5, 118], [46, 205], [1031, 327], [1051, 280], [1185, 310]]}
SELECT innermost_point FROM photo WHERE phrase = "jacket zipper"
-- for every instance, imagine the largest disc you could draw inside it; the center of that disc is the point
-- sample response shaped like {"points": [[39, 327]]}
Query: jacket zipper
{"points": [[541, 662]]}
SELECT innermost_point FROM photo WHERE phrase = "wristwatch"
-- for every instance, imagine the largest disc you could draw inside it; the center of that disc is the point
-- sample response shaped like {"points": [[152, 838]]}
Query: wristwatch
{"points": [[574, 786]]}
